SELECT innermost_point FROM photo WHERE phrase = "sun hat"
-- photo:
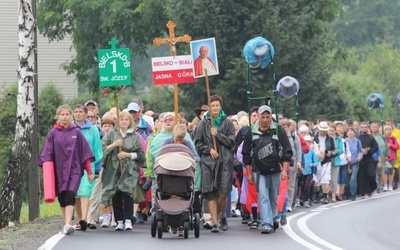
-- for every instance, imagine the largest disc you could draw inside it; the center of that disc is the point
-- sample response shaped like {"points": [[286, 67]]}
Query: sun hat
{"points": [[323, 126]]}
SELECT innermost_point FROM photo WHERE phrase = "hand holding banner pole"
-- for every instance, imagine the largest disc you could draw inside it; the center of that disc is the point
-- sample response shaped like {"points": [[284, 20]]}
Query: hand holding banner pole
{"points": [[209, 104]]}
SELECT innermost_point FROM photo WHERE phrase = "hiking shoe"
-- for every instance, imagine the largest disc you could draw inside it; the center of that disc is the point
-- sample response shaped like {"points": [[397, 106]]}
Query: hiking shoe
{"points": [[139, 218], [128, 225], [207, 225], [215, 229], [254, 225], [120, 226], [267, 230], [283, 220], [68, 229], [224, 224]]}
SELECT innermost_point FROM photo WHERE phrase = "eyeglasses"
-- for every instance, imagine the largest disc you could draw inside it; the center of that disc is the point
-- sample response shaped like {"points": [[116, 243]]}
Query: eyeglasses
{"points": [[168, 120]]}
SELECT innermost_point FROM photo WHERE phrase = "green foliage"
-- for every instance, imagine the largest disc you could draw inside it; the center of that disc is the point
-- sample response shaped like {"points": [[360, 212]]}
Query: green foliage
{"points": [[49, 99], [8, 107], [92, 23], [369, 22], [301, 35], [369, 69]]}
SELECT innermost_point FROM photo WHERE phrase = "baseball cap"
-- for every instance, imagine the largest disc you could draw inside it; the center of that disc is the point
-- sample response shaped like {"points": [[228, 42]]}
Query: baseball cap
{"points": [[133, 106], [91, 102], [264, 108]]}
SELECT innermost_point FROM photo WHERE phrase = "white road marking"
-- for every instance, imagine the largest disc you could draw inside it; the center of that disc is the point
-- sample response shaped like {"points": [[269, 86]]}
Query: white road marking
{"points": [[50, 243], [302, 224], [289, 231]]}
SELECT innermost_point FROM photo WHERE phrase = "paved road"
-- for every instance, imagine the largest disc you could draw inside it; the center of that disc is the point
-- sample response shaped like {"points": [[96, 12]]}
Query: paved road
{"points": [[371, 223]]}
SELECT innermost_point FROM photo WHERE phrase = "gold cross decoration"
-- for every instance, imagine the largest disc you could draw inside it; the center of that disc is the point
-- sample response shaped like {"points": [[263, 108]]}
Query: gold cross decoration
{"points": [[172, 40]]}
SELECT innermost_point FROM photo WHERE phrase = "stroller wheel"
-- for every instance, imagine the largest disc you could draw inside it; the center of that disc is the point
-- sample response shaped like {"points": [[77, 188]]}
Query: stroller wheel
{"points": [[186, 229], [197, 225], [153, 224], [160, 229]]}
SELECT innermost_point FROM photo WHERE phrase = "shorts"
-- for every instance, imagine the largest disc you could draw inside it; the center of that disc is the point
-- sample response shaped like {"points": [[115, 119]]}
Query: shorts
{"points": [[389, 171], [214, 195], [323, 175], [66, 198]]}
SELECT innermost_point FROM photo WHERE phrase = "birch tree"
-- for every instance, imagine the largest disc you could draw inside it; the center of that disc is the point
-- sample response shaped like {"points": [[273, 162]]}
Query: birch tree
{"points": [[19, 161]]}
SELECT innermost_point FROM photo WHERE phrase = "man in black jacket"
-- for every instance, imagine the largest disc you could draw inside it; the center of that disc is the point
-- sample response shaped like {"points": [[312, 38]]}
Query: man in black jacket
{"points": [[366, 182], [262, 140]]}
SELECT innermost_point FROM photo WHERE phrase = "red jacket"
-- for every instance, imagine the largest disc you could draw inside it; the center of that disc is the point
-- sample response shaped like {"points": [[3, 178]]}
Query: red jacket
{"points": [[393, 147]]}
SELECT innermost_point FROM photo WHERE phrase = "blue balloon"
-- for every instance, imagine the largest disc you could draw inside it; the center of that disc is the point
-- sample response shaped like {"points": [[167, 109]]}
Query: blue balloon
{"points": [[258, 51], [374, 101]]}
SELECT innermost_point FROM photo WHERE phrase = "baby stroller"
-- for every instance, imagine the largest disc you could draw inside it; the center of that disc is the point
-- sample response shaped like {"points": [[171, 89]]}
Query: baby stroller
{"points": [[175, 167]]}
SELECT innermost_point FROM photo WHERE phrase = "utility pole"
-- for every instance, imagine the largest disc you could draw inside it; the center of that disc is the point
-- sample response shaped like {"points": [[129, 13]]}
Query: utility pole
{"points": [[33, 172]]}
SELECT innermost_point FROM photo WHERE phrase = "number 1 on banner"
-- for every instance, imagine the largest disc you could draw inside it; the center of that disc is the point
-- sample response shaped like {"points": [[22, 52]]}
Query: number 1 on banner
{"points": [[114, 64]]}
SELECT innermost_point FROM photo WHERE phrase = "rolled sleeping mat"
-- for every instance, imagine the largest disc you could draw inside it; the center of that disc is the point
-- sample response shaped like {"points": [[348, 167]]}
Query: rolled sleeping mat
{"points": [[49, 186]]}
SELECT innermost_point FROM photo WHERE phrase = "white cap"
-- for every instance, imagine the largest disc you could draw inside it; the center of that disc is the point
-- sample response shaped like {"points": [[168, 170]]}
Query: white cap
{"points": [[133, 106], [264, 108]]}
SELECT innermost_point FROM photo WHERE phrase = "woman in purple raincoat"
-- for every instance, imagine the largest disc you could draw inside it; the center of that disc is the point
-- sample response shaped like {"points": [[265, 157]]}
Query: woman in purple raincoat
{"points": [[68, 150]]}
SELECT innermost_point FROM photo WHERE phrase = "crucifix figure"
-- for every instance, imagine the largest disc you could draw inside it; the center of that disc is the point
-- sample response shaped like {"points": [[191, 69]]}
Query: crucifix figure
{"points": [[172, 40]]}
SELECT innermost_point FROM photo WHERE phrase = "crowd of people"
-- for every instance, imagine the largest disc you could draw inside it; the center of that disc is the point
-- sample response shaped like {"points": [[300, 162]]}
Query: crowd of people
{"points": [[104, 165]]}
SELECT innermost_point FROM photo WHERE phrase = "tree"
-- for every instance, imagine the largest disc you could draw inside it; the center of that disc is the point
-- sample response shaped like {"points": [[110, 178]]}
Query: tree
{"points": [[92, 23], [301, 35], [11, 194], [368, 22], [49, 99]]}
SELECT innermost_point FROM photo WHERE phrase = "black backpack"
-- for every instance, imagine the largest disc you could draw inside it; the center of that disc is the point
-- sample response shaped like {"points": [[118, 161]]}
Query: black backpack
{"points": [[267, 152]]}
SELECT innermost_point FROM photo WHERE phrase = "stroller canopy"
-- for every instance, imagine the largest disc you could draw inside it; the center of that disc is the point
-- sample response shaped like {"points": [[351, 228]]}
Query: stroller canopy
{"points": [[175, 157]]}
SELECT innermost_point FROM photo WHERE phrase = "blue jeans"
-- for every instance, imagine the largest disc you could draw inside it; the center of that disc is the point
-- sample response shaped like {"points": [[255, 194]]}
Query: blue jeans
{"points": [[268, 188], [353, 180]]}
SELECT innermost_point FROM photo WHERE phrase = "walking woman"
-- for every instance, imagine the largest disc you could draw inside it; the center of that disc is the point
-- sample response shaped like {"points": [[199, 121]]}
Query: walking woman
{"points": [[356, 156], [91, 133], [388, 173], [68, 150], [121, 174]]}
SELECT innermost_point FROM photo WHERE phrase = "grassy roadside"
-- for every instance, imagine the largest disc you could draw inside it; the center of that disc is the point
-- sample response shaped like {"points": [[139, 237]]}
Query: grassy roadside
{"points": [[46, 210]]}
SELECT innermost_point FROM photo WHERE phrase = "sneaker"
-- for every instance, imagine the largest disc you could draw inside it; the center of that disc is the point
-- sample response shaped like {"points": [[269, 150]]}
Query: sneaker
{"points": [[128, 225], [390, 188], [283, 220], [139, 218], [233, 213], [215, 229], [224, 224], [353, 198], [297, 203], [173, 230], [306, 204], [254, 225], [180, 232], [106, 222], [267, 230], [385, 188], [325, 201], [120, 226], [68, 229], [207, 225], [92, 226], [113, 222], [289, 209]]}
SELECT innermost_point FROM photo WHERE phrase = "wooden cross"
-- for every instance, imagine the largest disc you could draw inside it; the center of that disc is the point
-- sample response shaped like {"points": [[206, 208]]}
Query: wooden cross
{"points": [[172, 40]]}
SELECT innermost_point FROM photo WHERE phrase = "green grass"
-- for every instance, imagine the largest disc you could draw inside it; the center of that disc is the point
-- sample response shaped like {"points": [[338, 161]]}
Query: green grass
{"points": [[46, 210]]}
